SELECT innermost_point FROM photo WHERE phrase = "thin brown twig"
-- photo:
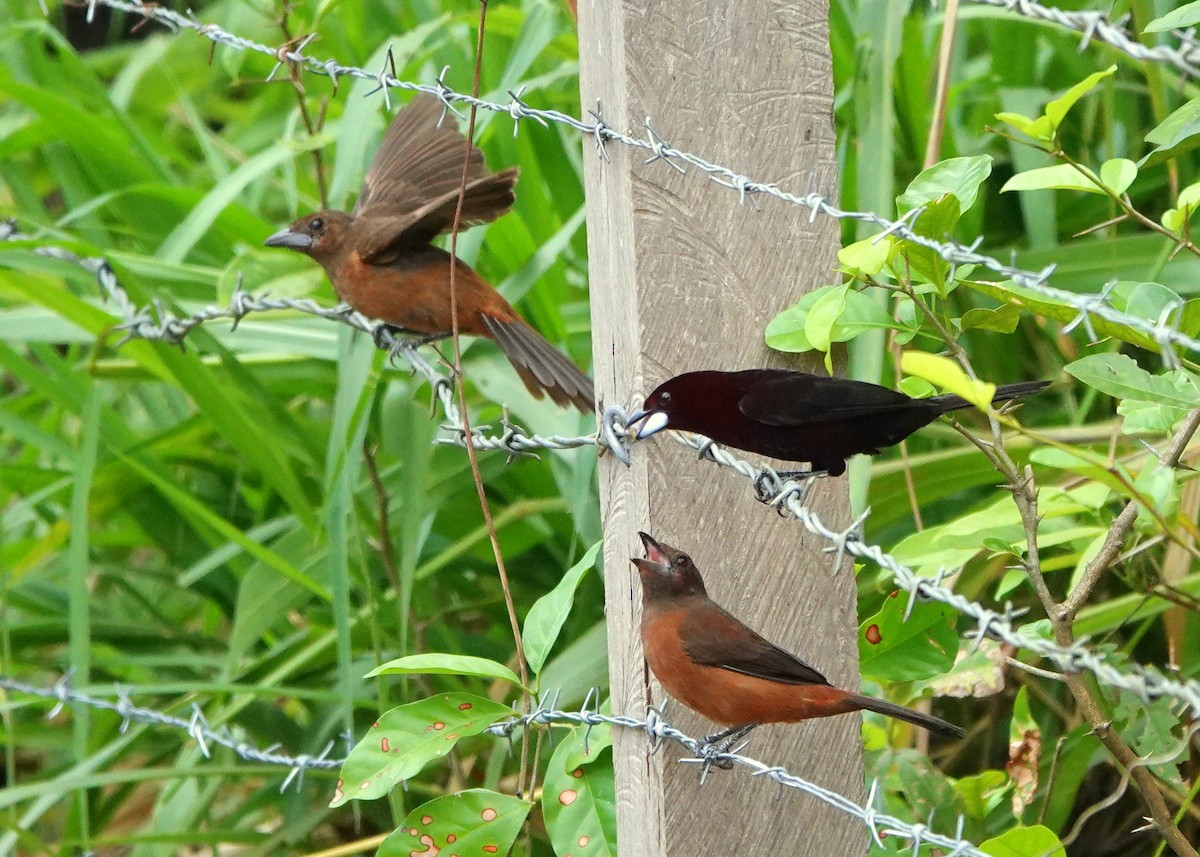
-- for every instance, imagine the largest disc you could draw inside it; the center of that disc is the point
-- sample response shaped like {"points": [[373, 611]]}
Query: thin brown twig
{"points": [[309, 125], [937, 126], [387, 551], [1119, 531], [522, 668]]}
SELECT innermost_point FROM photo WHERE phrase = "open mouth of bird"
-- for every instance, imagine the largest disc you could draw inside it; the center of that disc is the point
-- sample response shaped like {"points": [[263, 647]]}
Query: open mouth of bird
{"points": [[655, 561], [652, 422]]}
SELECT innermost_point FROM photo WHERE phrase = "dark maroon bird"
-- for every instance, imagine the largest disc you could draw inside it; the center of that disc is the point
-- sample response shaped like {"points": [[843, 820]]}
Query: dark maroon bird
{"points": [[381, 262], [797, 416], [716, 665]]}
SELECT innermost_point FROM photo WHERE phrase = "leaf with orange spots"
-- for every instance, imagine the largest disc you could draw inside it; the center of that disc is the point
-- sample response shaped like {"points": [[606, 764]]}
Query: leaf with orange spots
{"points": [[407, 738], [890, 649], [474, 823], [579, 796]]}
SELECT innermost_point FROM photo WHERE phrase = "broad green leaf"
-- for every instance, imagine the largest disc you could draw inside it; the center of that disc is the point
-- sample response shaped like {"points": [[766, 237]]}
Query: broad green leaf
{"points": [[1036, 841], [866, 257], [579, 795], [437, 663], [1003, 320], [1148, 417], [937, 221], [1057, 177], [1031, 301], [961, 177], [893, 650], [404, 740], [1176, 135], [818, 325], [473, 823], [786, 332], [1120, 377], [547, 615], [1187, 15], [1118, 174], [945, 373]]}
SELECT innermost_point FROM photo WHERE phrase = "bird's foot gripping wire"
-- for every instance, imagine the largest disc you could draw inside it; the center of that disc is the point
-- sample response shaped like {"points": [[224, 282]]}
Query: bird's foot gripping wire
{"points": [[714, 751]]}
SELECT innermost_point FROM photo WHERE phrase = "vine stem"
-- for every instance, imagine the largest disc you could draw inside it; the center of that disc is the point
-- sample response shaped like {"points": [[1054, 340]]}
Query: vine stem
{"points": [[522, 668]]}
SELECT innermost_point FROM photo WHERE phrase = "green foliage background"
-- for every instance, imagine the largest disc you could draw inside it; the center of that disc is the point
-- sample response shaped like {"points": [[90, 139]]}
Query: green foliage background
{"points": [[202, 525]]}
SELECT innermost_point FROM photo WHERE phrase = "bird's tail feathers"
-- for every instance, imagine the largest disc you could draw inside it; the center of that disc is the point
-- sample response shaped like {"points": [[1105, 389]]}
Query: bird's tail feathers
{"points": [[543, 368], [1005, 392], [917, 718]]}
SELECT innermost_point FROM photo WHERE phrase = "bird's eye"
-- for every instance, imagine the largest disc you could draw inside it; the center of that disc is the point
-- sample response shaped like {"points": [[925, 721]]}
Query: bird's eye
{"points": [[664, 397], [682, 560], [316, 224]]}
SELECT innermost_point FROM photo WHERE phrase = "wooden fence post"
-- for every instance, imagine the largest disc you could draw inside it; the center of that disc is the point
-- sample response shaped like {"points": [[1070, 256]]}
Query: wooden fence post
{"points": [[684, 278]]}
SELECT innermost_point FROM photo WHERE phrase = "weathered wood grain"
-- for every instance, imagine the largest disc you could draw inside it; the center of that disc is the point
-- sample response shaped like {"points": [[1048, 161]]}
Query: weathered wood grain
{"points": [[684, 278]]}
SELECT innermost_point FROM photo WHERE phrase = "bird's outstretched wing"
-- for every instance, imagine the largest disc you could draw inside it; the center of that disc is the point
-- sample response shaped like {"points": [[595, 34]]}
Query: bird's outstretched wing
{"points": [[798, 398], [712, 637], [410, 192]]}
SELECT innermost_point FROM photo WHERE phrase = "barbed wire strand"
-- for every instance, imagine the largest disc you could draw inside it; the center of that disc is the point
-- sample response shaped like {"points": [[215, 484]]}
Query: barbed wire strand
{"points": [[1164, 334], [657, 729], [1098, 27], [786, 495]]}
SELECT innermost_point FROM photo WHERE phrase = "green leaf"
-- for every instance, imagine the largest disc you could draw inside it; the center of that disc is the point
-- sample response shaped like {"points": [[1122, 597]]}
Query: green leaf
{"points": [[867, 256], [579, 795], [1187, 15], [547, 615], [1045, 127], [1176, 219], [1118, 174], [1148, 417], [1030, 301], [1002, 320], [1120, 377], [892, 650], [937, 221], [961, 177], [1057, 109], [404, 740], [860, 311], [1057, 177], [1036, 841], [437, 663], [473, 823], [982, 793], [1017, 120], [1176, 135], [945, 373]]}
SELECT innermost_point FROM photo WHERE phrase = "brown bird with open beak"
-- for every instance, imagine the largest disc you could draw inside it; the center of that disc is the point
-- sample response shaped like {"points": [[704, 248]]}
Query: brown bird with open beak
{"points": [[713, 663], [381, 262]]}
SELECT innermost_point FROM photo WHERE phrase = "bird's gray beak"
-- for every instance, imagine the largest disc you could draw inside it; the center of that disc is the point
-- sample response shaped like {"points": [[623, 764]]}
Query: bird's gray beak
{"points": [[656, 560], [652, 422], [288, 238]]}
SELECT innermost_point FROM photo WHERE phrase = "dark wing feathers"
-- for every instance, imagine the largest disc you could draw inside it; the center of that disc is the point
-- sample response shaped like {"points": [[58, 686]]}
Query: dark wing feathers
{"points": [[411, 189], [797, 398], [712, 637]]}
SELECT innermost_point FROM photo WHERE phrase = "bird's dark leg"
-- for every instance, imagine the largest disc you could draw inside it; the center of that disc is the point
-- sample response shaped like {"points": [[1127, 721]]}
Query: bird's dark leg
{"points": [[726, 738], [714, 746], [799, 475]]}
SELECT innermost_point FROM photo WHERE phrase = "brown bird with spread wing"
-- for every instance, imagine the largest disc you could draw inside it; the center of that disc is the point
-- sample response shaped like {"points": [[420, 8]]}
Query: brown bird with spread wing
{"points": [[381, 261]]}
